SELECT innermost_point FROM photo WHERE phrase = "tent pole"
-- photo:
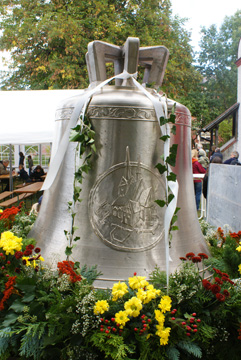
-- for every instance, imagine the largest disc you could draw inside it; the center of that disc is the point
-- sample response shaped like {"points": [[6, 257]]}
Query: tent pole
{"points": [[11, 168]]}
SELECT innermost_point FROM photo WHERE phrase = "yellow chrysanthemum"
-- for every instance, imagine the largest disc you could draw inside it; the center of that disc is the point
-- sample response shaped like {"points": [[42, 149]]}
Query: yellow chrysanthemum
{"points": [[121, 318], [159, 316], [133, 306], [10, 243], [147, 295], [164, 335], [239, 247], [138, 282], [239, 268], [100, 307], [119, 290], [165, 303], [1, 211]]}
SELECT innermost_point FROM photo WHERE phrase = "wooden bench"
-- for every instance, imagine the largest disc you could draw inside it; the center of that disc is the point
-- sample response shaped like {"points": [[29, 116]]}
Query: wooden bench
{"points": [[5, 194], [21, 185], [15, 199]]}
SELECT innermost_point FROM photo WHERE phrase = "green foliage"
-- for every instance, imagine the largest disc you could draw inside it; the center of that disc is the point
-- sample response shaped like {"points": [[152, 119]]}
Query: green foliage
{"points": [[48, 40], [190, 349], [217, 90]]}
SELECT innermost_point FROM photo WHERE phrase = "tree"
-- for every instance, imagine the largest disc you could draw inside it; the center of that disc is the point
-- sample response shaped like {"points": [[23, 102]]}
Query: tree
{"points": [[216, 63], [48, 39]]}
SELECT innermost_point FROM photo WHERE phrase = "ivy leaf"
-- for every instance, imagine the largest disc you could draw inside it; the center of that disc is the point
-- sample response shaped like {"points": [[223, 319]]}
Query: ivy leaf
{"points": [[170, 198], [161, 168], [161, 203], [171, 159], [172, 177], [162, 120], [173, 130], [68, 250], [164, 137], [172, 118], [174, 228], [77, 238]]}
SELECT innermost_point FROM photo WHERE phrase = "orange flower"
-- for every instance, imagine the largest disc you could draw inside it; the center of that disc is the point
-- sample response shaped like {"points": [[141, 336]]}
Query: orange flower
{"points": [[67, 267], [9, 287]]}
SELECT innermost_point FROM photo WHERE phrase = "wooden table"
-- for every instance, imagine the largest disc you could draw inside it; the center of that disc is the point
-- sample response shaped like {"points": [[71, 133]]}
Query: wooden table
{"points": [[7, 176], [32, 188]]}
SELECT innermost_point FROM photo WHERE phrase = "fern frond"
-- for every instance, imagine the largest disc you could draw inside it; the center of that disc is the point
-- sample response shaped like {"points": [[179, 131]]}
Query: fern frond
{"points": [[190, 348], [173, 353]]}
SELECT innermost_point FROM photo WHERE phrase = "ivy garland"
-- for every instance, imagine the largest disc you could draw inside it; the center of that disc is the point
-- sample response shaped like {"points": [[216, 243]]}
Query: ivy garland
{"points": [[84, 135]]}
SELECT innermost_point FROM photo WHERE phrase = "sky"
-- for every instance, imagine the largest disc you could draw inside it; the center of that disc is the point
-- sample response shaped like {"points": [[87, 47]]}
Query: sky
{"points": [[200, 13], [203, 13]]}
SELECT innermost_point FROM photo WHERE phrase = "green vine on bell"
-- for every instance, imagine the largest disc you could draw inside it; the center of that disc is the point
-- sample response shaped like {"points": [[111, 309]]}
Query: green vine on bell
{"points": [[171, 176], [84, 135]]}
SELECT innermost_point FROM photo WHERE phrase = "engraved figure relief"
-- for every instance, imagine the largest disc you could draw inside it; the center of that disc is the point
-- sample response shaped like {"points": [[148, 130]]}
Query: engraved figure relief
{"points": [[126, 217]]}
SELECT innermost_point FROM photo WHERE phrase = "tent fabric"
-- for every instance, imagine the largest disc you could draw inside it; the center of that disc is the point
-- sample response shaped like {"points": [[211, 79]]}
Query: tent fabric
{"points": [[28, 116]]}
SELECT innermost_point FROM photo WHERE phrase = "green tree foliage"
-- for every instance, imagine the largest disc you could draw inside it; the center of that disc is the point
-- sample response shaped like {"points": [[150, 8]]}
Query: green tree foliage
{"points": [[216, 63], [48, 39]]}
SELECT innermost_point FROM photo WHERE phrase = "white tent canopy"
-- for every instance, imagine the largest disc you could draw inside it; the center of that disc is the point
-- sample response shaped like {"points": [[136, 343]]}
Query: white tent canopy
{"points": [[27, 116]]}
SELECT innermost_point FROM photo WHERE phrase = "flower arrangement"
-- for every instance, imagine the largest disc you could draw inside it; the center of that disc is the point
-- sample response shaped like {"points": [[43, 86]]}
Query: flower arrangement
{"points": [[49, 314]]}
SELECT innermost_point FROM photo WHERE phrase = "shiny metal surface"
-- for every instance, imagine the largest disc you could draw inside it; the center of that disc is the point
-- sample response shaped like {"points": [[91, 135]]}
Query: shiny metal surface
{"points": [[119, 224]]}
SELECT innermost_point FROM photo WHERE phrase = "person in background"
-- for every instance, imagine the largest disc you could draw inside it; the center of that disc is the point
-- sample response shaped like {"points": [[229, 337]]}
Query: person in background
{"points": [[30, 164], [37, 174], [36, 207], [23, 174], [216, 160], [233, 160], [3, 171], [203, 159], [197, 168], [21, 158], [217, 153]]}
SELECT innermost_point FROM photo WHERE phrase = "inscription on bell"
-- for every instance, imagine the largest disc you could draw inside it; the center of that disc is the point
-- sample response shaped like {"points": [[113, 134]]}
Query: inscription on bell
{"points": [[122, 208]]}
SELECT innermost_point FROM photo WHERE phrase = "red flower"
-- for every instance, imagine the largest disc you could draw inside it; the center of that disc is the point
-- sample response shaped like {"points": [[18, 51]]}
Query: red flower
{"points": [[9, 286], [30, 247], [215, 289], [190, 255], [220, 297], [218, 281], [196, 259], [183, 258], [218, 271], [203, 255], [18, 254], [226, 293], [37, 250], [206, 284], [27, 252], [67, 267]]}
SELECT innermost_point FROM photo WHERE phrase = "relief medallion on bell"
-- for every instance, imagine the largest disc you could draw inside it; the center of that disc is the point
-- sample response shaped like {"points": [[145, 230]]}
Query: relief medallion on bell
{"points": [[122, 207]]}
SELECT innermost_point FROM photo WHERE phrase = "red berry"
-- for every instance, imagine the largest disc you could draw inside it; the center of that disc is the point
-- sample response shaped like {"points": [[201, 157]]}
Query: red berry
{"points": [[101, 319], [198, 320], [101, 329], [113, 329], [194, 330], [3, 267], [143, 316], [145, 325], [183, 323], [188, 334], [194, 314], [149, 320], [8, 262], [1, 254], [7, 275], [173, 318], [173, 312], [135, 329], [109, 327], [107, 331], [135, 273], [195, 326], [113, 319], [106, 321], [188, 328], [192, 319], [143, 321]]}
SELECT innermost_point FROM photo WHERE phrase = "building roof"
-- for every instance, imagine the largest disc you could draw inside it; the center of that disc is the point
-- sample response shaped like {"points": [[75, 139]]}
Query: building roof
{"points": [[221, 117]]}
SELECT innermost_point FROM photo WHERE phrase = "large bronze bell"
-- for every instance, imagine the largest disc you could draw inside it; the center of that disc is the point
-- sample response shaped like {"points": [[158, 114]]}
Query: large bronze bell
{"points": [[121, 228]]}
